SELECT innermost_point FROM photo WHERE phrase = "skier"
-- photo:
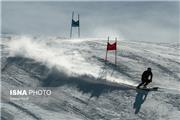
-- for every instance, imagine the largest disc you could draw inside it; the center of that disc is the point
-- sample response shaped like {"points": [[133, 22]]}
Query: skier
{"points": [[146, 78]]}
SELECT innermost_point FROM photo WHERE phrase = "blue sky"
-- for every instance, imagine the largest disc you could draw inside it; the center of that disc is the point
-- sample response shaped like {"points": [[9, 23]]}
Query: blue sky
{"points": [[140, 21]]}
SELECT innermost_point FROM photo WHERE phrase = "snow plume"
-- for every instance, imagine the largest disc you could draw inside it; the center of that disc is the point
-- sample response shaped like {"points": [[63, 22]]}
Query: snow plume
{"points": [[37, 50], [40, 51], [64, 54]]}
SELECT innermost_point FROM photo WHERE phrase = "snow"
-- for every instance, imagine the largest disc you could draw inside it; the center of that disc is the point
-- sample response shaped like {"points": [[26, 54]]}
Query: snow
{"points": [[83, 85]]}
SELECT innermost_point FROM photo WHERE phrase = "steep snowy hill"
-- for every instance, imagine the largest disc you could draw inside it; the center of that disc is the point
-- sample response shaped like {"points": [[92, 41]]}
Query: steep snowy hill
{"points": [[84, 86]]}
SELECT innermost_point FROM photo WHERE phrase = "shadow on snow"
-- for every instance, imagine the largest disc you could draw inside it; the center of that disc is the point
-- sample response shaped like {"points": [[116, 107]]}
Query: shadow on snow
{"points": [[141, 96]]}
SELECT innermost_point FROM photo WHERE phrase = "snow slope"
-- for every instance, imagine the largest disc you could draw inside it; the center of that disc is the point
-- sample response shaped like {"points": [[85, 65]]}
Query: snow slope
{"points": [[84, 87]]}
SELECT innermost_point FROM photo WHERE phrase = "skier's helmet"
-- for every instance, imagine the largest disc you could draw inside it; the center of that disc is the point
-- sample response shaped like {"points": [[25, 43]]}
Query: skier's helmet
{"points": [[149, 69]]}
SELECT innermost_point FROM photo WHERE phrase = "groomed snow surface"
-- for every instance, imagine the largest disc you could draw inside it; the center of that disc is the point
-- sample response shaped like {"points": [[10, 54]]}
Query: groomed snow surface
{"points": [[84, 86]]}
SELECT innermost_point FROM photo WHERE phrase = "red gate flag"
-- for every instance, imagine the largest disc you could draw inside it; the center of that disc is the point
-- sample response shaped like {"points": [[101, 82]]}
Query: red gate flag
{"points": [[111, 46]]}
